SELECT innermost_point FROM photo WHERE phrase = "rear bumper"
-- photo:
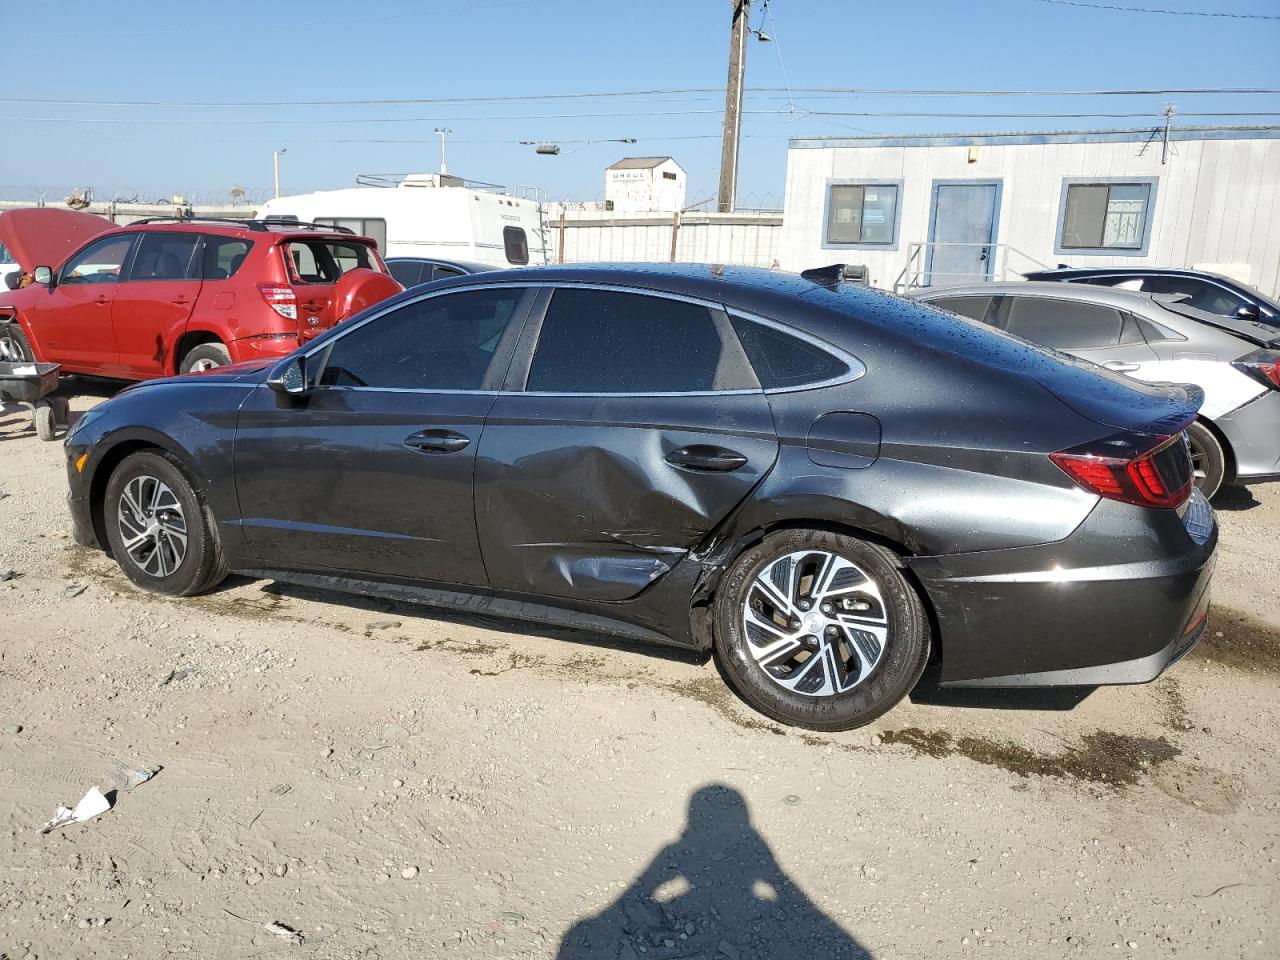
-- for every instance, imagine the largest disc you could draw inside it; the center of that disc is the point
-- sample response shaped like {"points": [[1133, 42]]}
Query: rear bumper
{"points": [[1253, 431], [1118, 601], [262, 347]]}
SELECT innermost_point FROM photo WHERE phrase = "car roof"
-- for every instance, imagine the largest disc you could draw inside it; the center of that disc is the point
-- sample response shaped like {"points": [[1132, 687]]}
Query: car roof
{"points": [[1128, 272], [246, 228], [1114, 296], [466, 266]]}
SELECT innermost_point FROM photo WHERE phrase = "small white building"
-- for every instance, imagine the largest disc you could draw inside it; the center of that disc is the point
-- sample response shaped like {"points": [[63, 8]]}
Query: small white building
{"points": [[645, 185], [946, 208]]}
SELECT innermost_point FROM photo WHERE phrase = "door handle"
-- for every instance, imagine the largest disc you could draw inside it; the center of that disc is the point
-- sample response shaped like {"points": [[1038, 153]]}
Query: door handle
{"points": [[703, 457], [436, 441], [101, 301], [181, 302], [1119, 366]]}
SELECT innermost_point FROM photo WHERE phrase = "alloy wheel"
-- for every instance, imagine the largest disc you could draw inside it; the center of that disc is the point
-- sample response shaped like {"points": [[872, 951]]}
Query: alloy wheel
{"points": [[202, 365], [153, 527], [11, 349], [815, 623], [1198, 457]]}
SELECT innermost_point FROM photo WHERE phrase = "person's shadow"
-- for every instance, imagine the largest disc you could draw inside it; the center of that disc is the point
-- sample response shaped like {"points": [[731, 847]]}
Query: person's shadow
{"points": [[717, 893]]}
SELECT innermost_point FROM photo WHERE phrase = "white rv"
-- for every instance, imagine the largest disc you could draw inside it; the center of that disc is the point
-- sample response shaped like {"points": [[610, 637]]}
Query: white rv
{"points": [[428, 215]]}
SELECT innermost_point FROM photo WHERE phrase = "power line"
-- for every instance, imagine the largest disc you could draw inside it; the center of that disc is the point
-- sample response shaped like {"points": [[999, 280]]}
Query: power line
{"points": [[1172, 13], [669, 91]]}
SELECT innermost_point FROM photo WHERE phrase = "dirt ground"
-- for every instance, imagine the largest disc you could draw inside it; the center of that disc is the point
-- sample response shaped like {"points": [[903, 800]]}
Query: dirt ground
{"points": [[391, 781]]}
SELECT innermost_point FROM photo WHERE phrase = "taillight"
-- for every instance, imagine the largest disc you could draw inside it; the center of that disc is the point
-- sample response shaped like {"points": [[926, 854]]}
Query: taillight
{"points": [[1263, 366], [1149, 470], [281, 299]]}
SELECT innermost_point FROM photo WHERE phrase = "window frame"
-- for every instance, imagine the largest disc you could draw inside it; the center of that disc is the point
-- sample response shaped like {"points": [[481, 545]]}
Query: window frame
{"points": [[196, 258], [828, 244], [510, 229], [1004, 313], [126, 265], [1151, 183]]}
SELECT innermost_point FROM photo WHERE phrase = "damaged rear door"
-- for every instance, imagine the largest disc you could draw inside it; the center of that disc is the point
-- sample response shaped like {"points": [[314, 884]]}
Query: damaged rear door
{"points": [[631, 429]]}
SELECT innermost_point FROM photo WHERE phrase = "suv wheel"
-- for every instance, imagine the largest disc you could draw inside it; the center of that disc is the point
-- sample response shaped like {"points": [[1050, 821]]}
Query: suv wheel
{"points": [[820, 630], [206, 356], [14, 347], [160, 529], [1208, 459]]}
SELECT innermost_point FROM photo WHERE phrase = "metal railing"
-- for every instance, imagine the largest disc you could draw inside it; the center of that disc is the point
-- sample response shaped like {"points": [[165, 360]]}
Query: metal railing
{"points": [[918, 270]]}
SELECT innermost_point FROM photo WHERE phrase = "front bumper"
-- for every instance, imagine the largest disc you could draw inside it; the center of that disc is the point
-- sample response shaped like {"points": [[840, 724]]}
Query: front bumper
{"points": [[78, 500], [1118, 601]]}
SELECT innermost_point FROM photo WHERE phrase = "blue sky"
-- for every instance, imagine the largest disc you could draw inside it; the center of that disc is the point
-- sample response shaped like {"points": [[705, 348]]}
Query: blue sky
{"points": [[250, 51]]}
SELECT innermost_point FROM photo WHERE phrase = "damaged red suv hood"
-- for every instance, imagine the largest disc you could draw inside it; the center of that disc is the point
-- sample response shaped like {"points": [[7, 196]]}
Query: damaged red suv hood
{"points": [[45, 236]]}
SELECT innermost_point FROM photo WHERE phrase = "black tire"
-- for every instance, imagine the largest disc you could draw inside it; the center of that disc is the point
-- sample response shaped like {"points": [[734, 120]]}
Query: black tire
{"points": [[1208, 458], [205, 356], [14, 346], [201, 565], [891, 672], [46, 419]]}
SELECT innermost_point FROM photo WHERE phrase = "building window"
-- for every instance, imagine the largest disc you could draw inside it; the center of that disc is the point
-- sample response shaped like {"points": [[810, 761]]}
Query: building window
{"points": [[1105, 217], [862, 213], [668, 175]]}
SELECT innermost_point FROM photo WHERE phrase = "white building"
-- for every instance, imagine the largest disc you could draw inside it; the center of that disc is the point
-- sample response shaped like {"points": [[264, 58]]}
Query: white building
{"points": [[935, 209], [645, 185]]}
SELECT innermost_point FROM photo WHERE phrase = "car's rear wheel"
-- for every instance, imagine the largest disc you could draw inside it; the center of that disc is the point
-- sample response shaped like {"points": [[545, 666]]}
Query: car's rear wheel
{"points": [[205, 356], [820, 630], [1208, 459], [14, 347], [160, 529]]}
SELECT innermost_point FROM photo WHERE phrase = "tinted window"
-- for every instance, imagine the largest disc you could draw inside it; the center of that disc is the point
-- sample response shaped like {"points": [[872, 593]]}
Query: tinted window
{"points": [[408, 273], [442, 343], [442, 272], [781, 360], [516, 244], [1064, 324], [600, 341], [1103, 216], [1202, 294], [100, 262], [975, 308], [223, 256], [325, 261], [166, 256], [861, 213]]}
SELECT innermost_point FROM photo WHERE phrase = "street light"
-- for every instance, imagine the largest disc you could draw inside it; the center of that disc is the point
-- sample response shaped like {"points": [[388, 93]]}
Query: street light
{"points": [[276, 159], [444, 132], [549, 148]]}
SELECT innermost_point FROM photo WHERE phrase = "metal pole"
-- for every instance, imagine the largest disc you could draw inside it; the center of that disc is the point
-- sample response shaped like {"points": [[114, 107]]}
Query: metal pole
{"points": [[675, 232], [562, 235], [733, 107], [1168, 120], [275, 157], [444, 132]]}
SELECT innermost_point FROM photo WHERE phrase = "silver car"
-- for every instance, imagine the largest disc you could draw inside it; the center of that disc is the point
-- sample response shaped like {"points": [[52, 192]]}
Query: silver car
{"points": [[1157, 339]]}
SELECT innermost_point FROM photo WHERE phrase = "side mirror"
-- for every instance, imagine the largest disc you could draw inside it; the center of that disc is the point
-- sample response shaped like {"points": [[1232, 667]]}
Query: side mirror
{"points": [[1248, 311], [42, 276], [289, 378]]}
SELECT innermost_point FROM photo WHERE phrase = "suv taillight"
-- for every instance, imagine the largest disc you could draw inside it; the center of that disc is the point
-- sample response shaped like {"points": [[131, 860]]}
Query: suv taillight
{"points": [[1263, 366], [1140, 468], [281, 299]]}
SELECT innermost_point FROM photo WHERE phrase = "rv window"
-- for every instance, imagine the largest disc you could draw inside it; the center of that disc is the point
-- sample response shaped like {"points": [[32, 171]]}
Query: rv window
{"points": [[375, 230], [517, 244]]}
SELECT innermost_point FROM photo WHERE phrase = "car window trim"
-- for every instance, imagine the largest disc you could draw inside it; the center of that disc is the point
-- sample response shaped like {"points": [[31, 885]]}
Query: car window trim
{"points": [[125, 265], [857, 369], [523, 363], [512, 335], [197, 255]]}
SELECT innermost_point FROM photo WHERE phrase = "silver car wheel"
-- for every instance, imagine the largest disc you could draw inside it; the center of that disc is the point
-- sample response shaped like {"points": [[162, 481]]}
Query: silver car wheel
{"points": [[11, 350], [815, 623], [202, 365], [153, 528]]}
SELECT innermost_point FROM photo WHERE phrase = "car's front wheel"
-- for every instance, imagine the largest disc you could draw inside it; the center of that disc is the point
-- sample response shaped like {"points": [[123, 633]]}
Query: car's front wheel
{"points": [[14, 347], [159, 527], [820, 630]]}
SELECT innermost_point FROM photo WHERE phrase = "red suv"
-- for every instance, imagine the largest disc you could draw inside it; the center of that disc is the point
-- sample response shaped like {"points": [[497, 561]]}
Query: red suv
{"points": [[167, 296]]}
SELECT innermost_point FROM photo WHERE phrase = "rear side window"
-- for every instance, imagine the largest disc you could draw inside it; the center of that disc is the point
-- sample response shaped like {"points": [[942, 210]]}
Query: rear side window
{"points": [[1066, 324], [407, 273], [373, 228], [325, 261], [516, 243], [602, 341], [781, 360], [223, 256], [975, 308], [166, 256]]}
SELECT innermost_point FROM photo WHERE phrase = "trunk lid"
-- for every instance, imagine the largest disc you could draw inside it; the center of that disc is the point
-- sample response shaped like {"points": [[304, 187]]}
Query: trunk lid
{"points": [[45, 236], [327, 276]]}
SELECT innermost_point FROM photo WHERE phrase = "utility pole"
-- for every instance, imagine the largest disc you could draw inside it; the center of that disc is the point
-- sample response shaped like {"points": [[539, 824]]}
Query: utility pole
{"points": [[444, 132], [733, 106], [276, 160]]}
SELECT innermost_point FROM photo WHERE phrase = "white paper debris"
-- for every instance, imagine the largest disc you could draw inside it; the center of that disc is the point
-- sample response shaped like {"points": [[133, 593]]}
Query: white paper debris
{"points": [[91, 805], [25, 371], [283, 932]]}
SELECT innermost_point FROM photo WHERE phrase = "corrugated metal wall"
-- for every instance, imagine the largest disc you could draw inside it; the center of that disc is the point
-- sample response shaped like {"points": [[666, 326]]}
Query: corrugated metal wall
{"points": [[745, 239]]}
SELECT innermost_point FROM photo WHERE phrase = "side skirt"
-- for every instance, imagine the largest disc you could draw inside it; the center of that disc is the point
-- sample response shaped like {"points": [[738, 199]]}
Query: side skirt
{"points": [[477, 602]]}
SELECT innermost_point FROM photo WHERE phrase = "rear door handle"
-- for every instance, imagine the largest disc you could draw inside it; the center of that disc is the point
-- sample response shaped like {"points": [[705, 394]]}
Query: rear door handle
{"points": [[181, 301], [704, 457], [101, 301], [436, 441], [1119, 366]]}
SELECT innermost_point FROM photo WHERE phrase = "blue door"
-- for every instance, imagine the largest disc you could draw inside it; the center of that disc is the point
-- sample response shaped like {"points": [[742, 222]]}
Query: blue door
{"points": [[963, 233]]}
